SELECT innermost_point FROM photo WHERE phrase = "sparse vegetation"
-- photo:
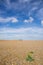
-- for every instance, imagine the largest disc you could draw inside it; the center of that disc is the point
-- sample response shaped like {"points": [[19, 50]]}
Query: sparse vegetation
{"points": [[21, 53]]}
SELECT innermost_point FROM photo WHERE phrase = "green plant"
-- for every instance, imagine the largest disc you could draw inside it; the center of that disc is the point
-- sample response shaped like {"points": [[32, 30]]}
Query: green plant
{"points": [[30, 57]]}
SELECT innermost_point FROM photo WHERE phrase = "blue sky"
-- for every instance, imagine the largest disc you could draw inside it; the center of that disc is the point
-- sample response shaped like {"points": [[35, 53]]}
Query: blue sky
{"points": [[21, 19]]}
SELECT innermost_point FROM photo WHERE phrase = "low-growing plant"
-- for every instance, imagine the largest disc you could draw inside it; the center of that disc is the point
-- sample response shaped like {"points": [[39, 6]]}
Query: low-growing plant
{"points": [[29, 57]]}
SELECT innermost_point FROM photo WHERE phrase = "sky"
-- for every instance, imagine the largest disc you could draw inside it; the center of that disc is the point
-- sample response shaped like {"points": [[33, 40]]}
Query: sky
{"points": [[21, 19]]}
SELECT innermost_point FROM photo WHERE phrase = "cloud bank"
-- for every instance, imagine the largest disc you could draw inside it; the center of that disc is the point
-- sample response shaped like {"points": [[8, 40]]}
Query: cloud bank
{"points": [[21, 33]]}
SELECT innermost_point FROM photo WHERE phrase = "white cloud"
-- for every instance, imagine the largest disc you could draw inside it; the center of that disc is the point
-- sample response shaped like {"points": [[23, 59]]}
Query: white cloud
{"points": [[36, 3], [12, 30], [25, 6], [7, 4], [42, 22], [14, 20], [40, 14], [29, 20], [15, 5], [21, 33], [34, 8], [24, 1], [8, 19]]}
